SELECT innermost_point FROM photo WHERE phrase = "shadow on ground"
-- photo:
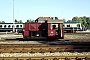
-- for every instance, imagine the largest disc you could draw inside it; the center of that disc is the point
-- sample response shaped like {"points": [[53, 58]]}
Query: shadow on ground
{"points": [[52, 41]]}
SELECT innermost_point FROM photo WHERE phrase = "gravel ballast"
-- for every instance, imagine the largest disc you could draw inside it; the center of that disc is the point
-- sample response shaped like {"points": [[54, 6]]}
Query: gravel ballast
{"points": [[44, 54], [77, 36]]}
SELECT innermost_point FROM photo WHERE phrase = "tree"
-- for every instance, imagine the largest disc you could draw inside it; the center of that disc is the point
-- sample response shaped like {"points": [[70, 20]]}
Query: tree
{"points": [[69, 21], [84, 23], [20, 21], [15, 21], [88, 22], [75, 19], [30, 20], [64, 20], [2, 21], [80, 19], [56, 18]]}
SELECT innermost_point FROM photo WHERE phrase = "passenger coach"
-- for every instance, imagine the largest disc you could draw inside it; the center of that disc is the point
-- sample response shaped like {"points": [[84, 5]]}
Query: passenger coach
{"points": [[9, 27], [72, 26]]}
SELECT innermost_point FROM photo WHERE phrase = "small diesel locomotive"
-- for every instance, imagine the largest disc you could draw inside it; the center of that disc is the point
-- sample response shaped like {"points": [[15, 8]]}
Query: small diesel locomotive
{"points": [[51, 29]]}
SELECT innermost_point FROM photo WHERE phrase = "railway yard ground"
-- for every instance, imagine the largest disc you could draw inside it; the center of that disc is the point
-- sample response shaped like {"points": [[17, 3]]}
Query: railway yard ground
{"points": [[12, 49], [72, 37], [9, 35]]}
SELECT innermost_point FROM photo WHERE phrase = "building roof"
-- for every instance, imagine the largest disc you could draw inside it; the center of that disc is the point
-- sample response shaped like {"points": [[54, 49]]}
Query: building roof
{"points": [[45, 18]]}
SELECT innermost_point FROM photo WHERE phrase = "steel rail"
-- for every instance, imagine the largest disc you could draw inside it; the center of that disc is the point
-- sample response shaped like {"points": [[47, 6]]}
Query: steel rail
{"points": [[46, 57]]}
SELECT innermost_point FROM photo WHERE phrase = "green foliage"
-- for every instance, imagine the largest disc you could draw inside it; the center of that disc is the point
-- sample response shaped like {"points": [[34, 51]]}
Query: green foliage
{"points": [[64, 20], [56, 18], [75, 19], [85, 21], [30, 20], [69, 21], [18, 21], [2, 21]]}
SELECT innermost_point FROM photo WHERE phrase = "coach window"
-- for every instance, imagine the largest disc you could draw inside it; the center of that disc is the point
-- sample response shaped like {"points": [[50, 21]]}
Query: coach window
{"points": [[17, 26], [9, 26], [78, 25], [0, 26], [20, 25], [4, 26], [68, 25]]}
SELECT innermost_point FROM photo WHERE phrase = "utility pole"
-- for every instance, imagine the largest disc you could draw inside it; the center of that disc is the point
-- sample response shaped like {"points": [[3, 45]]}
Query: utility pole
{"points": [[62, 14], [13, 17], [77, 26]]}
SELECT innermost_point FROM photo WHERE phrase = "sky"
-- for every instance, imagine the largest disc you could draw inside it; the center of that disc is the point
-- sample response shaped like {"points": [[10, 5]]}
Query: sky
{"points": [[32, 9]]}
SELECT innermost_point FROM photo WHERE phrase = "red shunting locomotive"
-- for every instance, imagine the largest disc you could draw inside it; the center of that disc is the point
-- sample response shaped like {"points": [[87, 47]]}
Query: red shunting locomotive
{"points": [[43, 30]]}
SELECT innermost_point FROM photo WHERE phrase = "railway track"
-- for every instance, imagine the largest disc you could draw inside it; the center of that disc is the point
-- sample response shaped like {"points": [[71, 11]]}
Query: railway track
{"points": [[44, 51], [48, 58], [42, 48], [59, 40]]}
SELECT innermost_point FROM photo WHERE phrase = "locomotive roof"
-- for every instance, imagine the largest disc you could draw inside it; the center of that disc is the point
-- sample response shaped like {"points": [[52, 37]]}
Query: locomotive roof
{"points": [[52, 21], [55, 21]]}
